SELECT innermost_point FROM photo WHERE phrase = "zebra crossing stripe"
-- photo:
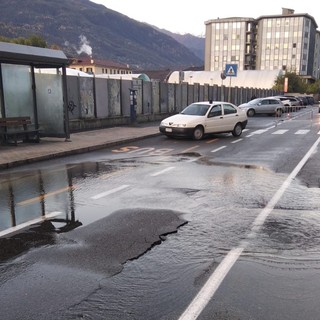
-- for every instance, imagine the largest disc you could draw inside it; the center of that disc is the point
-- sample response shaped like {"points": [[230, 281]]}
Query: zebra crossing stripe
{"points": [[302, 131], [280, 132]]}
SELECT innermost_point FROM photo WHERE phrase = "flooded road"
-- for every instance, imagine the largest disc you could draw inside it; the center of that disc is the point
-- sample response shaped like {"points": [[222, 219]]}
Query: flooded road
{"points": [[139, 237]]}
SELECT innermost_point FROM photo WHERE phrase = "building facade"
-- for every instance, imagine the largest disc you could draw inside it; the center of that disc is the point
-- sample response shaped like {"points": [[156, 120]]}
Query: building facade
{"points": [[97, 66], [279, 42]]}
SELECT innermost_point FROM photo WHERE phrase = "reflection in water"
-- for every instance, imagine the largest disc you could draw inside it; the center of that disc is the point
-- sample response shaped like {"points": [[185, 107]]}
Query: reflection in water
{"points": [[17, 243], [28, 196]]}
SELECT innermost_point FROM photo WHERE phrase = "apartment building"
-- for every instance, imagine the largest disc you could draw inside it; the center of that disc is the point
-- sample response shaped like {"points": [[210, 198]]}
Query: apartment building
{"points": [[98, 66], [276, 42]]}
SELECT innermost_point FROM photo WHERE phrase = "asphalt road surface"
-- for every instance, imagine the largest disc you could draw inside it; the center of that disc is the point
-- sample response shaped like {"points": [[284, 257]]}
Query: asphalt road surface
{"points": [[223, 228]]}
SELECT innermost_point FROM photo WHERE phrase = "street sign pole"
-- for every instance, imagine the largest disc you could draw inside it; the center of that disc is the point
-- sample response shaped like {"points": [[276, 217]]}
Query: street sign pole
{"points": [[231, 71]]}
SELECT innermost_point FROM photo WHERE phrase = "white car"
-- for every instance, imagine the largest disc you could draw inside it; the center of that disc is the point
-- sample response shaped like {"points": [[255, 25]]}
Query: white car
{"points": [[201, 118]]}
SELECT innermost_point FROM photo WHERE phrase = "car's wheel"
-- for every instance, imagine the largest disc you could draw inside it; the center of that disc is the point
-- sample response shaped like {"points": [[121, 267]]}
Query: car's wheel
{"points": [[236, 132], [250, 113], [198, 133]]}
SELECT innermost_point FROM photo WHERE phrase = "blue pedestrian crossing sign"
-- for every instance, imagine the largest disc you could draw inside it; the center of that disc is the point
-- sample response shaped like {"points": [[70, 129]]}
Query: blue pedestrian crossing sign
{"points": [[231, 70]]}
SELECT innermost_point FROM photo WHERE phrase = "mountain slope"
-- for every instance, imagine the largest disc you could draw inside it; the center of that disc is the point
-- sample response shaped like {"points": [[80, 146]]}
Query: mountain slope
{"points": [[193, 43], [81, 25]]}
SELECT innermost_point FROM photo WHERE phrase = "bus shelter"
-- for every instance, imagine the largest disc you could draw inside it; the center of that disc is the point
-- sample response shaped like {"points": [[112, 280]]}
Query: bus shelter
{"points": [[24, 91]]}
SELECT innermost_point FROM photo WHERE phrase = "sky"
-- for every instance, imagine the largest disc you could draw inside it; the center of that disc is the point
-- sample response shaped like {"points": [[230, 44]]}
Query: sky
{"points": [[181, 16]]}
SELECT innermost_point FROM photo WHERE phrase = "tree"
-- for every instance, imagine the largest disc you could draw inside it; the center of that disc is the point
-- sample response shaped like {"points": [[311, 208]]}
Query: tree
{"points": [[314, 87], [295, 83]]}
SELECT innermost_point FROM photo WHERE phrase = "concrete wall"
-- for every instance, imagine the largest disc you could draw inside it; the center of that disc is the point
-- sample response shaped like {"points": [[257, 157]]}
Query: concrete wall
{"points": [[101, 102]]}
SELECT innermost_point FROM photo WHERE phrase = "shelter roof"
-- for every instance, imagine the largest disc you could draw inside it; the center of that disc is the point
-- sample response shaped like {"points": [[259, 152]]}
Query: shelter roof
{"points": [[28, 55]]}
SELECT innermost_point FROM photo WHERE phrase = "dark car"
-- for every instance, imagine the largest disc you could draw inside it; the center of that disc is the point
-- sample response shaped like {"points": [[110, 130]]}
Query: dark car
{"points": [[306, 100]]}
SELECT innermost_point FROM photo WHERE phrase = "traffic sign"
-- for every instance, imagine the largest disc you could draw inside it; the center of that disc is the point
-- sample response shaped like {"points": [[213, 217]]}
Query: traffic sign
{"points": [[231, 70]]}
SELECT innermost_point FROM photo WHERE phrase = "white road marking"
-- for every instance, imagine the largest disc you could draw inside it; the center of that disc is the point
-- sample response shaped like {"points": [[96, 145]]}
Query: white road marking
{"points": [[302, 131], [211, 140], [104, 194], [210, 287], [238, 140], [29, 223], [218, 149], [194, 159], [257, 132], [162, 171], [189, 149], [280, 131]]}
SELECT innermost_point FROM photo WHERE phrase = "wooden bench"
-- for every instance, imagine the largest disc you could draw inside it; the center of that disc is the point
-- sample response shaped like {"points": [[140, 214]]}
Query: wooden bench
{"points": [[14, 129]]}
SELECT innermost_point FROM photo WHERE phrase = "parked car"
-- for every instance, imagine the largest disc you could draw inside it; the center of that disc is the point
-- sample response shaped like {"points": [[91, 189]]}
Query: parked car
{"points": [[291, 103], [202, 118], [306, 100], [268, 105], [296, 103]]}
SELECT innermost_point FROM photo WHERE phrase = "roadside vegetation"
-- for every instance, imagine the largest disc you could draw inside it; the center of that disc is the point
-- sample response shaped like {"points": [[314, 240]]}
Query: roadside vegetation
{"points": [[296, 84]]}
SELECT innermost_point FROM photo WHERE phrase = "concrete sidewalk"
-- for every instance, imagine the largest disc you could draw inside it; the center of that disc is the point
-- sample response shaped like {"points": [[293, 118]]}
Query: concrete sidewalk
{"points": [[49, 148]]}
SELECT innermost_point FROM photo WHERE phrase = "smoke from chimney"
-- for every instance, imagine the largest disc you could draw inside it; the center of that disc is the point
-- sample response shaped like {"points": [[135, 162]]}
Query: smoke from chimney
{"points": [[84, 46]]}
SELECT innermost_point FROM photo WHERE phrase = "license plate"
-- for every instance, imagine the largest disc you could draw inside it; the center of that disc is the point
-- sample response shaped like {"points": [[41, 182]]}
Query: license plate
{"points": [[168, 129]]}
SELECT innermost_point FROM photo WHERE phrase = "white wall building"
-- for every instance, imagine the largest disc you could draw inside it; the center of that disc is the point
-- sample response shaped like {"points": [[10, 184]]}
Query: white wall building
{"points": [[288, 41]]}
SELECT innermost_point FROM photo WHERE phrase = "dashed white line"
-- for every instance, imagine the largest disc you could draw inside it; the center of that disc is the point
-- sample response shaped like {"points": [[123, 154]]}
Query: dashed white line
{"points": [[210, 287], [218, 149], [212, 140], [189, 149], [238, 140], [106, 193], [162, 171]]}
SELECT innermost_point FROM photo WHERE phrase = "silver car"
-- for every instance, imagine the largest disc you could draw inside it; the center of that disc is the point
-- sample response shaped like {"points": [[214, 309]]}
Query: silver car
{"points": [[263, 106]]}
